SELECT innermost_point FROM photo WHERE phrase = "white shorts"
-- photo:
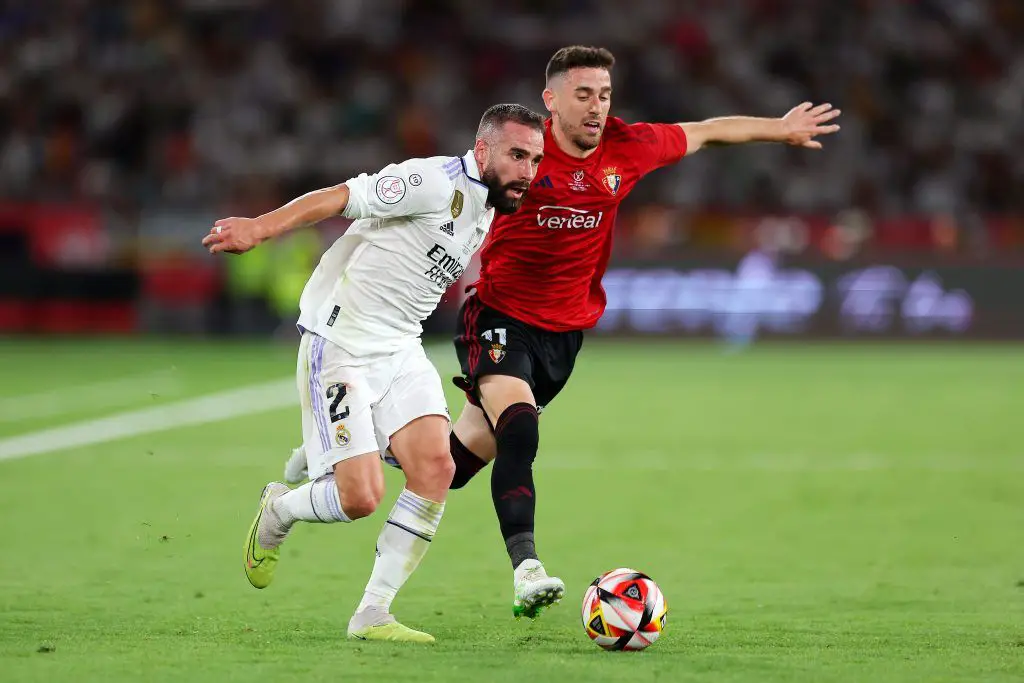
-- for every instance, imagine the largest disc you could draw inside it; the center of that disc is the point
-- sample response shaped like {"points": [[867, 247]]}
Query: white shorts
{"points": [[353, 405]]}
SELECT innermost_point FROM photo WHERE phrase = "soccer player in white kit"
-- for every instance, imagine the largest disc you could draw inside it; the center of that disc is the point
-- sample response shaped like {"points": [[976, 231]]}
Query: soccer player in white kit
{"points": [[367, 389]]}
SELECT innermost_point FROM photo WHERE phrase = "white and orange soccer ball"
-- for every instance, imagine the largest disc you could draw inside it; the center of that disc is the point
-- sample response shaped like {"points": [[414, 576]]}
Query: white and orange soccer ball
{"points": [[624, 610]]}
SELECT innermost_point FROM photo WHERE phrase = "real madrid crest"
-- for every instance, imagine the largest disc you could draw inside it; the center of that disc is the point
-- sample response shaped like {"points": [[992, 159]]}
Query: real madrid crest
{"points": [[342, 435], [612, 179]]}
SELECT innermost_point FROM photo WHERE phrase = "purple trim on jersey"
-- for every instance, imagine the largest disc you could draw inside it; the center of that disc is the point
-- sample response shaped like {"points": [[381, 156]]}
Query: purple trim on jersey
{"points": [[453, 168], [466, 171], [316, 359], [324, 419]]}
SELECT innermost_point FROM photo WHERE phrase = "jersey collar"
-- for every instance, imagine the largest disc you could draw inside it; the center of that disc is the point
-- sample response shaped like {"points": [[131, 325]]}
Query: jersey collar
{"points": [[472, 172]]}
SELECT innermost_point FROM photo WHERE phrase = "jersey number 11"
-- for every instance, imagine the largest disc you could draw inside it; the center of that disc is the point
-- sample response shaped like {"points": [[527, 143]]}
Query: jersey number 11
{"points": [[498, 332]]}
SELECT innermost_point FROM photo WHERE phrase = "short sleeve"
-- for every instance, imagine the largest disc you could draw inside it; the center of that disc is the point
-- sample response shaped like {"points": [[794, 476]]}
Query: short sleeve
{"points": [[659, 144], [411, 188]]}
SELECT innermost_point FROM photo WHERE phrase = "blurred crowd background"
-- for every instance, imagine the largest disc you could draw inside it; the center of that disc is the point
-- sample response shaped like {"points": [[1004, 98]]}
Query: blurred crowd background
{"points": [[154, 117]]}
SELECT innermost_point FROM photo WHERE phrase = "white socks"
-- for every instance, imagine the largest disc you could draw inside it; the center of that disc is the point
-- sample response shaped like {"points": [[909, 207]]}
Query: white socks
{"points": [[314, 501], [402, 542], [401, 545]]}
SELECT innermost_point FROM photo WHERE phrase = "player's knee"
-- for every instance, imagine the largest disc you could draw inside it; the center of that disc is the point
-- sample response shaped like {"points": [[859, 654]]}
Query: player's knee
{"points": [[445, 468], [518, 432], [362, 500], [434, 467]]}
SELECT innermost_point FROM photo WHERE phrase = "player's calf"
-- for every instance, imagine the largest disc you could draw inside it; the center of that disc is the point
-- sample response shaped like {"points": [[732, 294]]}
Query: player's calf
{"points": [[472, 444], [467, 463], [422, 448], [315, 501], [401, 545], [512, 489], [353, 491], [360, 485]]}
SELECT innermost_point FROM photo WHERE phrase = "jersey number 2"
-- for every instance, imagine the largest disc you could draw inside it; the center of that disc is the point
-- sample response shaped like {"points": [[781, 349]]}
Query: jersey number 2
{"points": [[337, 392]]}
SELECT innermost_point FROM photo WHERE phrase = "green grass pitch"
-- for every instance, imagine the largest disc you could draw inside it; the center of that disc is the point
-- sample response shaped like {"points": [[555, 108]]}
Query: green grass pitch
{"points": [[812, 513]]}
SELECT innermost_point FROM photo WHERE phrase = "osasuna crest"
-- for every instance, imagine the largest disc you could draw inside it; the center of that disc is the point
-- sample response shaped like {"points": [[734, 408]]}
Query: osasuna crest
{"points": [[612, 179], [497, 338]]}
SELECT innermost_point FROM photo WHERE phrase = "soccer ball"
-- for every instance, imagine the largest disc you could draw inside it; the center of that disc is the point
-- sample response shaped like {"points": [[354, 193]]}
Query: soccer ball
{"points": [[624, 610]]}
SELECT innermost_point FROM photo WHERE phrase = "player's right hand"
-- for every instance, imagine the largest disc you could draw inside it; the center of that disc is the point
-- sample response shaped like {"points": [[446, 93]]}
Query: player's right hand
{"points": [[234, 235]]}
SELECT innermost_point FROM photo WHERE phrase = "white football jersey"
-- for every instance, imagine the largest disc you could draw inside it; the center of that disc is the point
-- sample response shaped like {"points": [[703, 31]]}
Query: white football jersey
{"points": [[417, 225]]}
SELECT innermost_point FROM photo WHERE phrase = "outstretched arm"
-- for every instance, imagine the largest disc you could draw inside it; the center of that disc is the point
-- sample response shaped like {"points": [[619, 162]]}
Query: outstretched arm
{"points": [[239, 235], [411, 188], [799, 127]]}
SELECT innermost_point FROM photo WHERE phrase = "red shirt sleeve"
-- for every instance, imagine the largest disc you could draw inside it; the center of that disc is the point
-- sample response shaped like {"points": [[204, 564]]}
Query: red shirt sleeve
{"points": [[658, 144]]}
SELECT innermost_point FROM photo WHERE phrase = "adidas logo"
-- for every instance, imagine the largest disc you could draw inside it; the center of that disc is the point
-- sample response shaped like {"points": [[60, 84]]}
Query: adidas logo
{"points": [[517, 492], [449, 228], [544, 182]]}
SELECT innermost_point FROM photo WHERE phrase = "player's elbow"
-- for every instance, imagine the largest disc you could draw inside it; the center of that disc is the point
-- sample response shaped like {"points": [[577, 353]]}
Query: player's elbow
{"points": [[696, 135], [337, 198]]}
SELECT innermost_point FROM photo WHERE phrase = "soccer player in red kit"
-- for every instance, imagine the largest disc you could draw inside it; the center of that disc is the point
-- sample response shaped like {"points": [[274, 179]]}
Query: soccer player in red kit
{"points": [[540, 281]]}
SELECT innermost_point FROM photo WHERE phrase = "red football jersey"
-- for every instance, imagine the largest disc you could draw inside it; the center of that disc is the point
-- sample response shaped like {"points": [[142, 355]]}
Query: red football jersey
{"points": [[543, 264]]}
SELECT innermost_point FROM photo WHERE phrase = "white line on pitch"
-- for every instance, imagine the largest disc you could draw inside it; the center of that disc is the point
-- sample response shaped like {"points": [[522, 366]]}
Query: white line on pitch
{"points": [[202, 410], [106, 394]]}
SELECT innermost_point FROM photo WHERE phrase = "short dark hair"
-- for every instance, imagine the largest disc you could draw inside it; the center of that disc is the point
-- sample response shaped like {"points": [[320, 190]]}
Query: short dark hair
{"points": [[499, 114], [578, 57]]}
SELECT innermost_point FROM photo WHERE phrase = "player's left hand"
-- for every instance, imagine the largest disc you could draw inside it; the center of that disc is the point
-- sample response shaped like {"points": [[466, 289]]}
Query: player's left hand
{"points": [[804, 122], [233, 235]]}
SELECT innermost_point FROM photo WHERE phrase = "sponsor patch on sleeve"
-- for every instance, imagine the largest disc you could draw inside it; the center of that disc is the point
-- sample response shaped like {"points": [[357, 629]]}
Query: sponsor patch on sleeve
{"points": [[390, 189]]}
